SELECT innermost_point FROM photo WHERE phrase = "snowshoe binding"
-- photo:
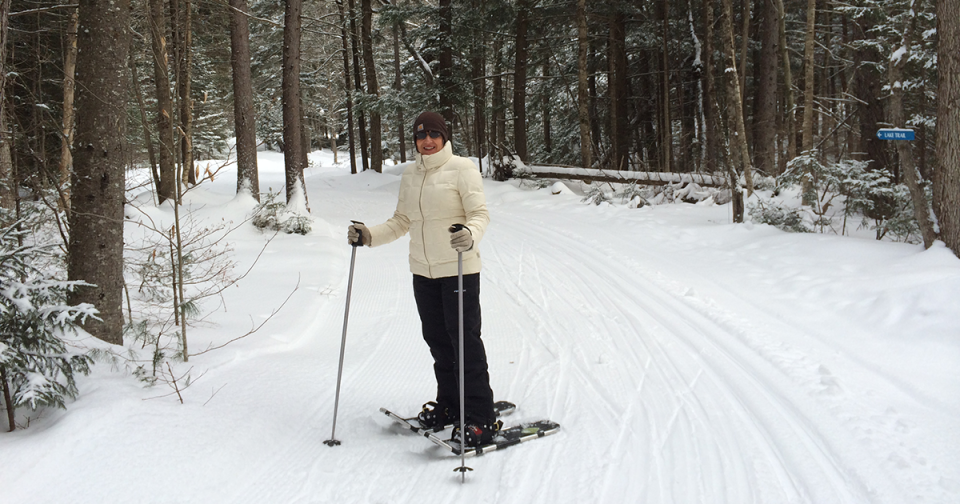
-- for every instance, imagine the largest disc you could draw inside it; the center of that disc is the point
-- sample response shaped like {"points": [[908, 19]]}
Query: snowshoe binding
{"points": [[476, 434], [435, 417]]}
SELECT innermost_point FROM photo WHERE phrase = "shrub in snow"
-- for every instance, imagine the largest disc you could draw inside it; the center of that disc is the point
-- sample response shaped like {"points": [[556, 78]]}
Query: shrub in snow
{"points": [[683, 191], [633, 195], [525, 176], [163, 303], [693, 192], [846, 189], [274, 215], [36, 366], [596, 195], [507, 167], [872, 195], [764, 183], [778, 215], [900, 223]]}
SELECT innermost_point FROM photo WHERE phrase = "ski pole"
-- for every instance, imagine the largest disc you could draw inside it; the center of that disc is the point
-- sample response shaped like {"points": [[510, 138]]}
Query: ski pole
{"points": [[343, 340], [463, 452]]}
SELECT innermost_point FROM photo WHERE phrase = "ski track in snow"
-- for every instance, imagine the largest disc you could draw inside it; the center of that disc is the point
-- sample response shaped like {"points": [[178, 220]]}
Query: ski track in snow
{"points": [[670, 387], [713, 392]]}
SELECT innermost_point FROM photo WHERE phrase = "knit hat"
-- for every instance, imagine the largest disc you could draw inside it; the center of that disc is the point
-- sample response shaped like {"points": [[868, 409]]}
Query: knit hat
{"points": [[431, 121]]}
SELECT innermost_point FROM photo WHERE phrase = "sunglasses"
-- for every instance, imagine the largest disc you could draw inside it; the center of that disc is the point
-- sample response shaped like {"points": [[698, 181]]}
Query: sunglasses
{"points": [[423, 134]]}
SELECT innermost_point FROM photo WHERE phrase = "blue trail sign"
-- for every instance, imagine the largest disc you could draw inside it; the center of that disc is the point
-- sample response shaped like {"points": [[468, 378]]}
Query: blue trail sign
{"points": [[895, 134]]}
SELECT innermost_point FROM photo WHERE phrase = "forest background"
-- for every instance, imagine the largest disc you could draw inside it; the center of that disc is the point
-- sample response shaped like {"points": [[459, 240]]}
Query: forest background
{"points": [[749, 90]]}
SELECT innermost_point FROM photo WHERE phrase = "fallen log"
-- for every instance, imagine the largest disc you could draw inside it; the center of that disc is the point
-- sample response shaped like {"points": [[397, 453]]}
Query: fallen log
{"points": [[589, 175]]}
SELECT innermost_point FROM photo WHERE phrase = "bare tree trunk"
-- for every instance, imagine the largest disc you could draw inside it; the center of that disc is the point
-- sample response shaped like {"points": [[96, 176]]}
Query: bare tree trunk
{"points": [[499, 136], [7, 399], [806, 144], [829, 112], [921, 209], [478, 63], [520, 81], [583, 95], [445, 63], [292, 124], [333, 143], [808, 75], [744, 47], [345, 38], [184, 61], [161, 77], [765, 124], [867, 89], [355, 50], [144, 124], [946, 181], [596, 132], [648, 66], [373, 87], [305, 143], [545, 103], [96, 222], [69, 87], [697, 74], [738, 141], [398, 87], [710, 91], [244, 114], [617, 91], [789, 102], [666, 126], [7, 182]]}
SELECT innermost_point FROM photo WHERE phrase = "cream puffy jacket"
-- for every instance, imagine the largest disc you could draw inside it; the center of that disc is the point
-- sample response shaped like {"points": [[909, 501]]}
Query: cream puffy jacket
{"points": [[436, 192]]}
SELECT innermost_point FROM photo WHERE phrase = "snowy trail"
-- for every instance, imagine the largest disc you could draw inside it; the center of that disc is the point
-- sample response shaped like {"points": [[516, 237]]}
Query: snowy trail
{"points": [[688, 411], [653, 371], [687, 360]]}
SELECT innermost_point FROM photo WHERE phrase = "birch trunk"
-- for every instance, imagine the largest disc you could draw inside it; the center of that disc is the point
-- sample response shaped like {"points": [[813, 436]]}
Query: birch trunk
{"points": [[69, 87]]}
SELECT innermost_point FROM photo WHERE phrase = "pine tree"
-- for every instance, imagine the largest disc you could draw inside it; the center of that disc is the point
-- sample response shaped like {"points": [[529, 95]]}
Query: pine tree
{"points": [[36, 368]]}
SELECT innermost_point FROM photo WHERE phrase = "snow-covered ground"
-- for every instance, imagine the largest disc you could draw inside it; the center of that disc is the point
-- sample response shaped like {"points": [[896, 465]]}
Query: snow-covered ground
{"points": [[688, 359]]}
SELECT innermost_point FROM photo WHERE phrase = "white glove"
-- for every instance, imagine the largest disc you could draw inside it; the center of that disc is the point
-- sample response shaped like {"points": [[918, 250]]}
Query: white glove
{"points": [[461, 239], [356, 231]]}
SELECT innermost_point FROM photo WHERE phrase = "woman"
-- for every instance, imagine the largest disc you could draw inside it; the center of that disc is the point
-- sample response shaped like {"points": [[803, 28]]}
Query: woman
{"points": [[436, 192]]}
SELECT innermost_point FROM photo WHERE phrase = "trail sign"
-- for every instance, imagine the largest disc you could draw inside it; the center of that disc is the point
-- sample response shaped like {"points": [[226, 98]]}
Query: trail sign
{"points": [[895, 134]]}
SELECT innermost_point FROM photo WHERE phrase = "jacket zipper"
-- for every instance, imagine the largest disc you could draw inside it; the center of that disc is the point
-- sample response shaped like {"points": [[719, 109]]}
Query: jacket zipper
{"points": [[423, 220]]}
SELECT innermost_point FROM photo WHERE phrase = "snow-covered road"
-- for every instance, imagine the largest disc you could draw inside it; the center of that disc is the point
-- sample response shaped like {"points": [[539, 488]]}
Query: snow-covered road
{"points": [[688, 360]]}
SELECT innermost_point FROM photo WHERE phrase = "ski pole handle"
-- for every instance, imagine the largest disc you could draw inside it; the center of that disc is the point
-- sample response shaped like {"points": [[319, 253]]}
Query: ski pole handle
{"points": [[456, 227], [359, 242]]}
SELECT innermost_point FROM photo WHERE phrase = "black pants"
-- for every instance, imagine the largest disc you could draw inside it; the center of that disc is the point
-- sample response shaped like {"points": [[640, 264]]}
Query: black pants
{"points": [[439, 316]]}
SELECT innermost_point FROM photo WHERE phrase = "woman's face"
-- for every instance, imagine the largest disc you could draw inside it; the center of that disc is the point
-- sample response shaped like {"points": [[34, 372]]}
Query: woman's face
{"points": [[431, 143]]}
